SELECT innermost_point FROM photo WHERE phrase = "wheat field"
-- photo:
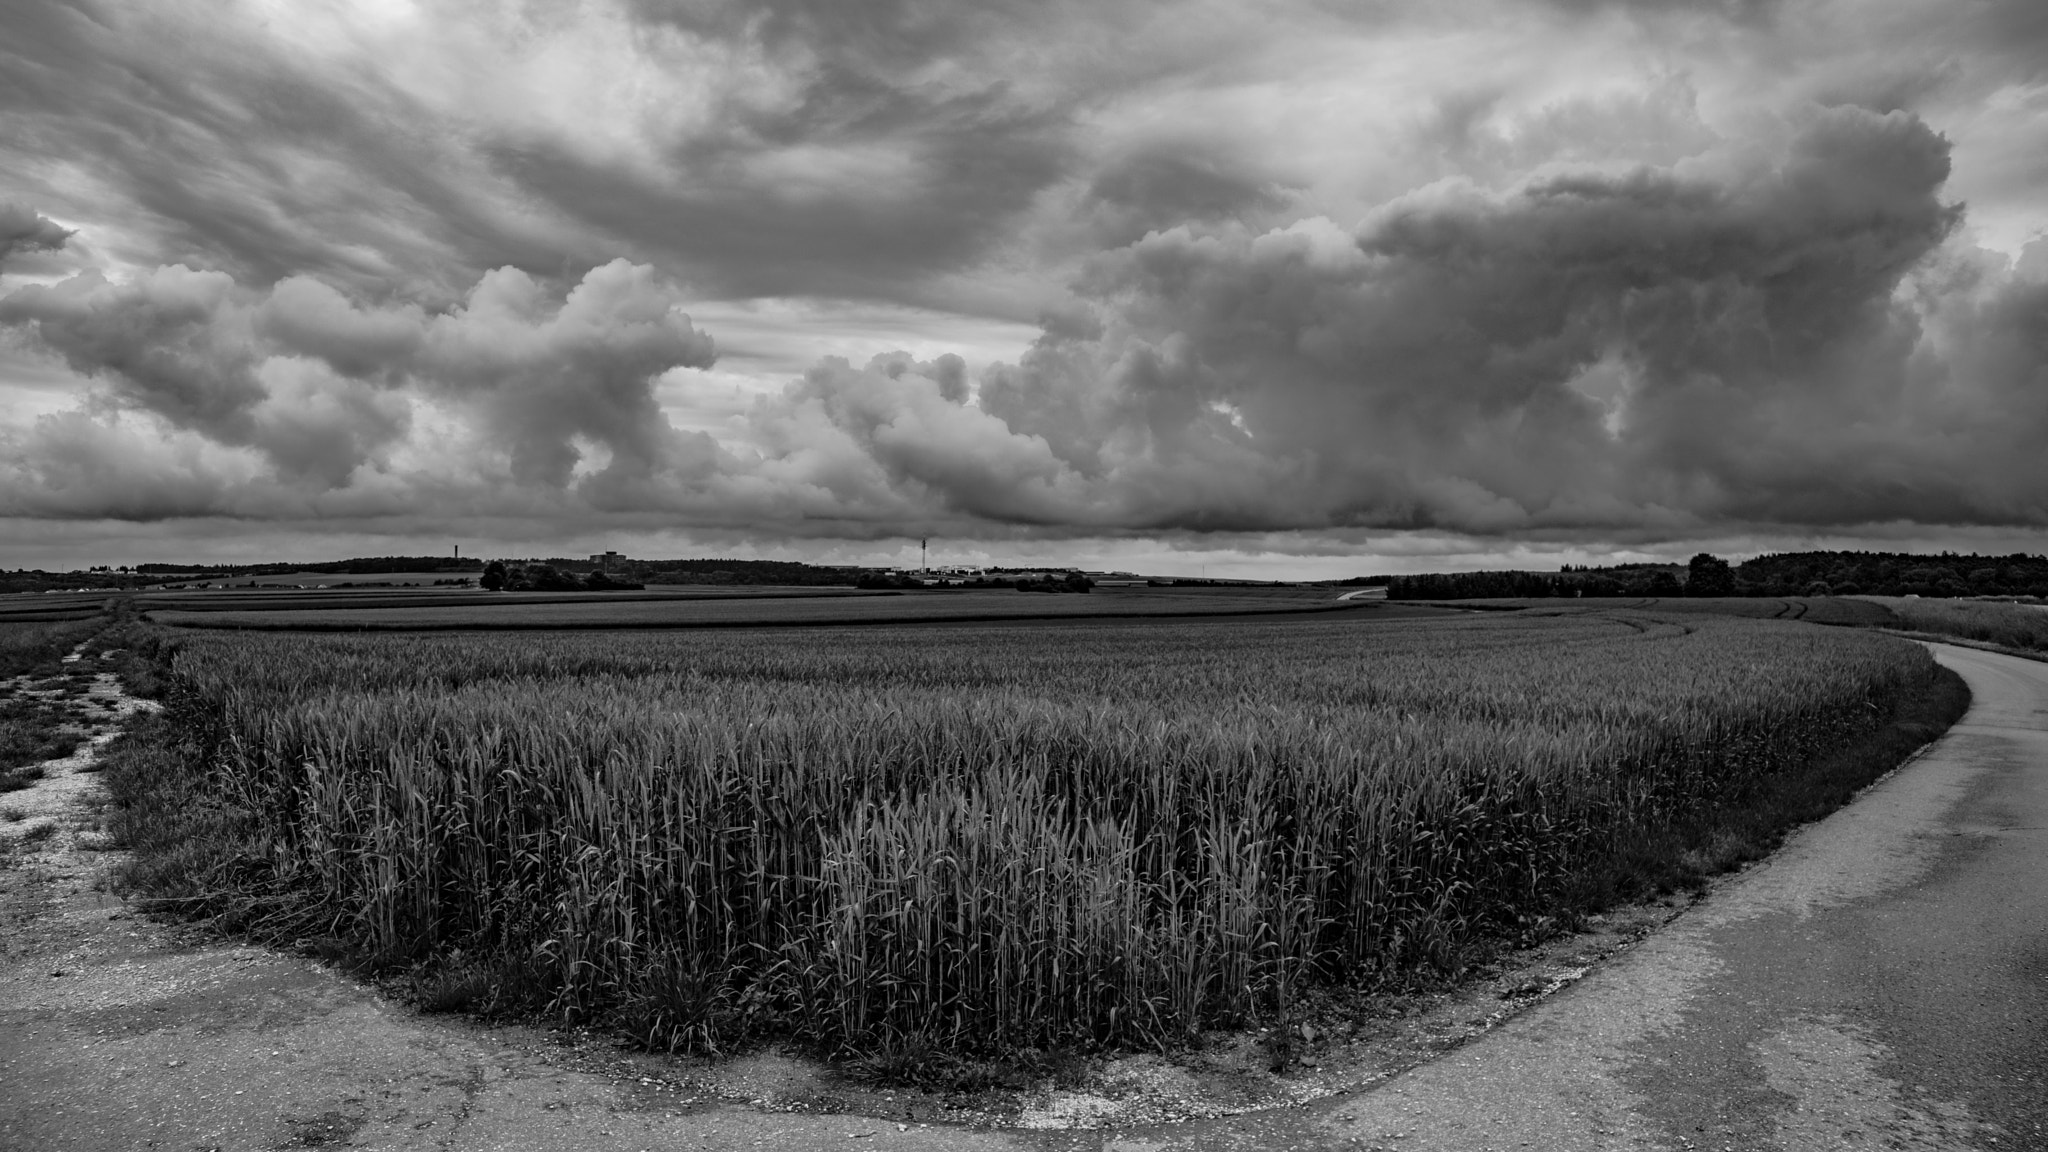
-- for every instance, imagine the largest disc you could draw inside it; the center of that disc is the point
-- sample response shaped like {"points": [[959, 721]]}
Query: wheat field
{"points": [[986, 837]]}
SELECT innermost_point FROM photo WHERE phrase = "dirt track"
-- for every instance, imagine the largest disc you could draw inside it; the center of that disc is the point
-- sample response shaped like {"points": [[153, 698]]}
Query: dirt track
{"points": [[1881, 982]]}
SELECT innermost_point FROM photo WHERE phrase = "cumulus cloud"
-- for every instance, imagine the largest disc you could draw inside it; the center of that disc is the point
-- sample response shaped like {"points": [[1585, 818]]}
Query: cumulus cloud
{"points": [[899, 433], [1772, 335], [1768, 333], [1548, 269], [73, 466], [1780, 333], [322, 386], [546, 374], [174, 342]]}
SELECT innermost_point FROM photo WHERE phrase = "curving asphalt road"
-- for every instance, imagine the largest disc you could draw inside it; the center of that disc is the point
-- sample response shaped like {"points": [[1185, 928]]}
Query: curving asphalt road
{"points": [[1881, 982]]}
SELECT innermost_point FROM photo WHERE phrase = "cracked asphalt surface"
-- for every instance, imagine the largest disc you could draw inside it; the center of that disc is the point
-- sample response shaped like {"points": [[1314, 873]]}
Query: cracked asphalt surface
{"points": [[1881, 982]]}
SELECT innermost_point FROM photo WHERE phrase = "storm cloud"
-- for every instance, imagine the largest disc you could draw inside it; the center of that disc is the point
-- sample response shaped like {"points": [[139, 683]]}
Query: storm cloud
{"points": [[323, 387], [1490, 269], [22, 230]]}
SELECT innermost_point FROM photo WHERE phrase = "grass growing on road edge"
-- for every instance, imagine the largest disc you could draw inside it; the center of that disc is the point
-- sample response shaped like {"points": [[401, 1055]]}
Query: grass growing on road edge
{"points": [[38, 647], [190, 852]]}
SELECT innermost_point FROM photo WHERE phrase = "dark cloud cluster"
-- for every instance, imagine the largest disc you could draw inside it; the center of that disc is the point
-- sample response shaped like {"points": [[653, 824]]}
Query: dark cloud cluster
{"points": [[1774, 336], [323, 388], [22, 230], [1301, 268], [1786, 335], [819, 158]]}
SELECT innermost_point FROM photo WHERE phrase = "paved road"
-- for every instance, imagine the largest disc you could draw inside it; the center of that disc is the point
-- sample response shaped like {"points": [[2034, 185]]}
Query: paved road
{"points": [[1880, 983]]}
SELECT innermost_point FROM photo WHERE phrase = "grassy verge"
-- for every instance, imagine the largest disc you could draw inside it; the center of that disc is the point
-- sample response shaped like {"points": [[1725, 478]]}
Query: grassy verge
{"points": [[136, 652], [2036, 654], [33, 729], [1995, 626], [36, 648], [190, 852]]}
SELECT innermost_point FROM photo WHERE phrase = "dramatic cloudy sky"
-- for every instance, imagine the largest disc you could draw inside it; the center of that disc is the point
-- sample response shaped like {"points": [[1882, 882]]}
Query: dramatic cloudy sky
{"points": [[1309, 287]]}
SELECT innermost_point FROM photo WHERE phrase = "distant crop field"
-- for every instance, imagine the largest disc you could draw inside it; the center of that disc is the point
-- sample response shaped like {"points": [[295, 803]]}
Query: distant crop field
{"points": [[48, 617], [634, 611], [342, 599], [980, 836], [1812, 609], [47, 607], [326, 579]]}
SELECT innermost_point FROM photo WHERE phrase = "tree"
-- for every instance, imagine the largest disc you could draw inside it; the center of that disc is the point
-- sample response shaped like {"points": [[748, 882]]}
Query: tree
{"points": [[544, 578], [1709, 575], [494, 575]]}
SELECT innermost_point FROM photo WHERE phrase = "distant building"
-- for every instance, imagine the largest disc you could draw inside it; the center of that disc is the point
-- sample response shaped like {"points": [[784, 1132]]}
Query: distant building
{"points": [[605, 560]]}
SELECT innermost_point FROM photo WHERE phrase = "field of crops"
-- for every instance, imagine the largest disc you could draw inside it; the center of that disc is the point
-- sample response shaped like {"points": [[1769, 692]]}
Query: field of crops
{"points": [[336, 599], [310, 612], [1846, 610], [982, 838], [52, 607]]}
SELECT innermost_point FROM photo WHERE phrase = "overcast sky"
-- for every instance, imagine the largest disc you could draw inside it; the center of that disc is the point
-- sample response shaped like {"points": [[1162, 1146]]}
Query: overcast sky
{"points": [[1286, 289]]}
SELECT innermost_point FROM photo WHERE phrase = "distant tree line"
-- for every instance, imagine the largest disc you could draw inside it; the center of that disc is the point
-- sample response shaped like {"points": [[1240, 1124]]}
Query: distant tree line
{"points": [[1894, 574], [37, 580], [360, 566], [1781, 574], [502, 577], [784, 572], [1523, 585]]}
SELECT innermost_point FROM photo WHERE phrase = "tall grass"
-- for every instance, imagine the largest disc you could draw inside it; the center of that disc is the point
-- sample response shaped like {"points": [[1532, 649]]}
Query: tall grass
{"points": [[38, 646], [987, 838], [2022, 626]]}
